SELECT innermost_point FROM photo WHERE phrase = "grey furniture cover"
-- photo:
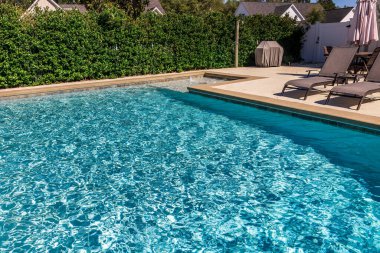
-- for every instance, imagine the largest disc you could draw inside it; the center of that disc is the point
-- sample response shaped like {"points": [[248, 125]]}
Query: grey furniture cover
{"points": [[269, 54]]}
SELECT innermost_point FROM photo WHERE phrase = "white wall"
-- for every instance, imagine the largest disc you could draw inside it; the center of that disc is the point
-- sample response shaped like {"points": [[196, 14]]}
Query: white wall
{"points": [[326, 34], [320, 35]]}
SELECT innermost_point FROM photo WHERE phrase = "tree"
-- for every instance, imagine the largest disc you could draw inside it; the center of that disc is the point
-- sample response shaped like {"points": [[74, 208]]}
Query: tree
{"points": [[282, 1], [327, 4], [316, 15], [192, 6], [24, 4], [230, 6], [132, 7]]}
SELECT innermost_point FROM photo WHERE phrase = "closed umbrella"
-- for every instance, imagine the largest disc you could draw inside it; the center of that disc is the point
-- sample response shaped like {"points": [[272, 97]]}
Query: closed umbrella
{"points": [[364, 26]]}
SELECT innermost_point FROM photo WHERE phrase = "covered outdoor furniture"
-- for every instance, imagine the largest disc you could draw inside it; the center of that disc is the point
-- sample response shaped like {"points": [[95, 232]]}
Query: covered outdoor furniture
{"points": [[335, 66], [269, 54], [361, 89]]}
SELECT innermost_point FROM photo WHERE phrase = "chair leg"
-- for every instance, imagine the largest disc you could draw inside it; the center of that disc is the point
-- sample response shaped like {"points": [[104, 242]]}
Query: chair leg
{"points": [[328, 98], [360, 103], [306, 94], [283, 90]]}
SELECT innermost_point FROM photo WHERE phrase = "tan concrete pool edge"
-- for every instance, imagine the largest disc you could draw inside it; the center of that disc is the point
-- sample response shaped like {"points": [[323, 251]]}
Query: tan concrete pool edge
{"points": [[105, 83], [338, 117]]}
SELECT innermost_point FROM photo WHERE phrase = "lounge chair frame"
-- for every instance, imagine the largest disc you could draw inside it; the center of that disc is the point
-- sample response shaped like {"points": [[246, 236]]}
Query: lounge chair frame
{"points": [[368, 65], [328, 75], [372, 77], [361, 98], [336, 78]]}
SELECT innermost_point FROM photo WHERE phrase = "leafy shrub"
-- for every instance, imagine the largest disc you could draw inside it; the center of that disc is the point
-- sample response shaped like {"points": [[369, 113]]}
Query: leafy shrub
{"points": [[62, 46]]}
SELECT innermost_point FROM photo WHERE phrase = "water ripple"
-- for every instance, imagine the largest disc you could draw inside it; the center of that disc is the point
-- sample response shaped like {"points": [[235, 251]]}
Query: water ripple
{"points": [[134, 170]]}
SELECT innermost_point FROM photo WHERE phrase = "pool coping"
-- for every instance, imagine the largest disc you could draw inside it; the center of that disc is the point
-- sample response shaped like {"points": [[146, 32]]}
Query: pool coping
{"points": [[47, 89], [361, 122]]}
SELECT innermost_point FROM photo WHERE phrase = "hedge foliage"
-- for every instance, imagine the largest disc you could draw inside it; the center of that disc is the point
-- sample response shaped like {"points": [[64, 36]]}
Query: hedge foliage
{"points": [[62, 46]]}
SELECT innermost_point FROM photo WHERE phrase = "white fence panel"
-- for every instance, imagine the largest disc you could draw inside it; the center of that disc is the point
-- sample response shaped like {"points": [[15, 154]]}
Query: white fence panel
{"points": [[325, 34], [320, 35]]}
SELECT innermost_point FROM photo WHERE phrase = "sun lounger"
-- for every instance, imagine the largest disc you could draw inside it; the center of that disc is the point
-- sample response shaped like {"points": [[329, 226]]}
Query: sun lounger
{"points": [[336, 64], [360, 90], [364, 66]]}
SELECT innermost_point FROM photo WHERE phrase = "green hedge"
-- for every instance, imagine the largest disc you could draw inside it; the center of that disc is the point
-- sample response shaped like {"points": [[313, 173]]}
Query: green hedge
{"points": [[68, 46]]}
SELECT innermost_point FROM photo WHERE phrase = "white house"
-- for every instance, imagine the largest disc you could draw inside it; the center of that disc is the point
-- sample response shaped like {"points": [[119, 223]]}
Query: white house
{"points": [[51, 5], [153, 6], [340, 15], [297, 11], [156, 7]]}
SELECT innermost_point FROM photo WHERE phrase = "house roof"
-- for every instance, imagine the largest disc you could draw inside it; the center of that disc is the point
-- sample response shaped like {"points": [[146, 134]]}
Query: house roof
{"points": [[279, 10], [261, 8], [68, 7], [155, 4], [306, 8], [257, 8], [35, 4], [336, 16]]}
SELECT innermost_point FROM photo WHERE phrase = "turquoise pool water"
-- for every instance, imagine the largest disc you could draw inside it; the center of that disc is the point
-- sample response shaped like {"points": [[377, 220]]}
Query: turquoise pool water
{"points": [[144, 169]]}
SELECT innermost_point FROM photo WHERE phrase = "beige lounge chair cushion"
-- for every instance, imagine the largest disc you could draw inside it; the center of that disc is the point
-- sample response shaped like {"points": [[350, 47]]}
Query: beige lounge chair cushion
{"points": [[310, 82], [357, 89]]}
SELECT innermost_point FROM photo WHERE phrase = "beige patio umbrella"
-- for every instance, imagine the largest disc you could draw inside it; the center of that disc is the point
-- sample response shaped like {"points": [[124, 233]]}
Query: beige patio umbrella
{"points": [[364, 25]]}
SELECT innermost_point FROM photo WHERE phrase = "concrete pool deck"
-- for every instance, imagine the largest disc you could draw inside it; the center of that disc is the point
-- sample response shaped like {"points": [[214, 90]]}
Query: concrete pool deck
{"points": [[274, 79], [266, 91]]}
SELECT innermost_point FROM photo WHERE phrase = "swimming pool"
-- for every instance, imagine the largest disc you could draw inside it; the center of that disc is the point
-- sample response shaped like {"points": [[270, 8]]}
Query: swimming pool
{"points": [[151, 169]]}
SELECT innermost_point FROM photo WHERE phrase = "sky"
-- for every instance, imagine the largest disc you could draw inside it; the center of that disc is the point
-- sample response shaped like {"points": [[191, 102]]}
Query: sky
{"points": [[342, 3]]}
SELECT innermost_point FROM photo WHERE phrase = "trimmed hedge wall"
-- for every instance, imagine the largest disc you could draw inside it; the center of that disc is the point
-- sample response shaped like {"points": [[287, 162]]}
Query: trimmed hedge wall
{"points": [[69, 46]]}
